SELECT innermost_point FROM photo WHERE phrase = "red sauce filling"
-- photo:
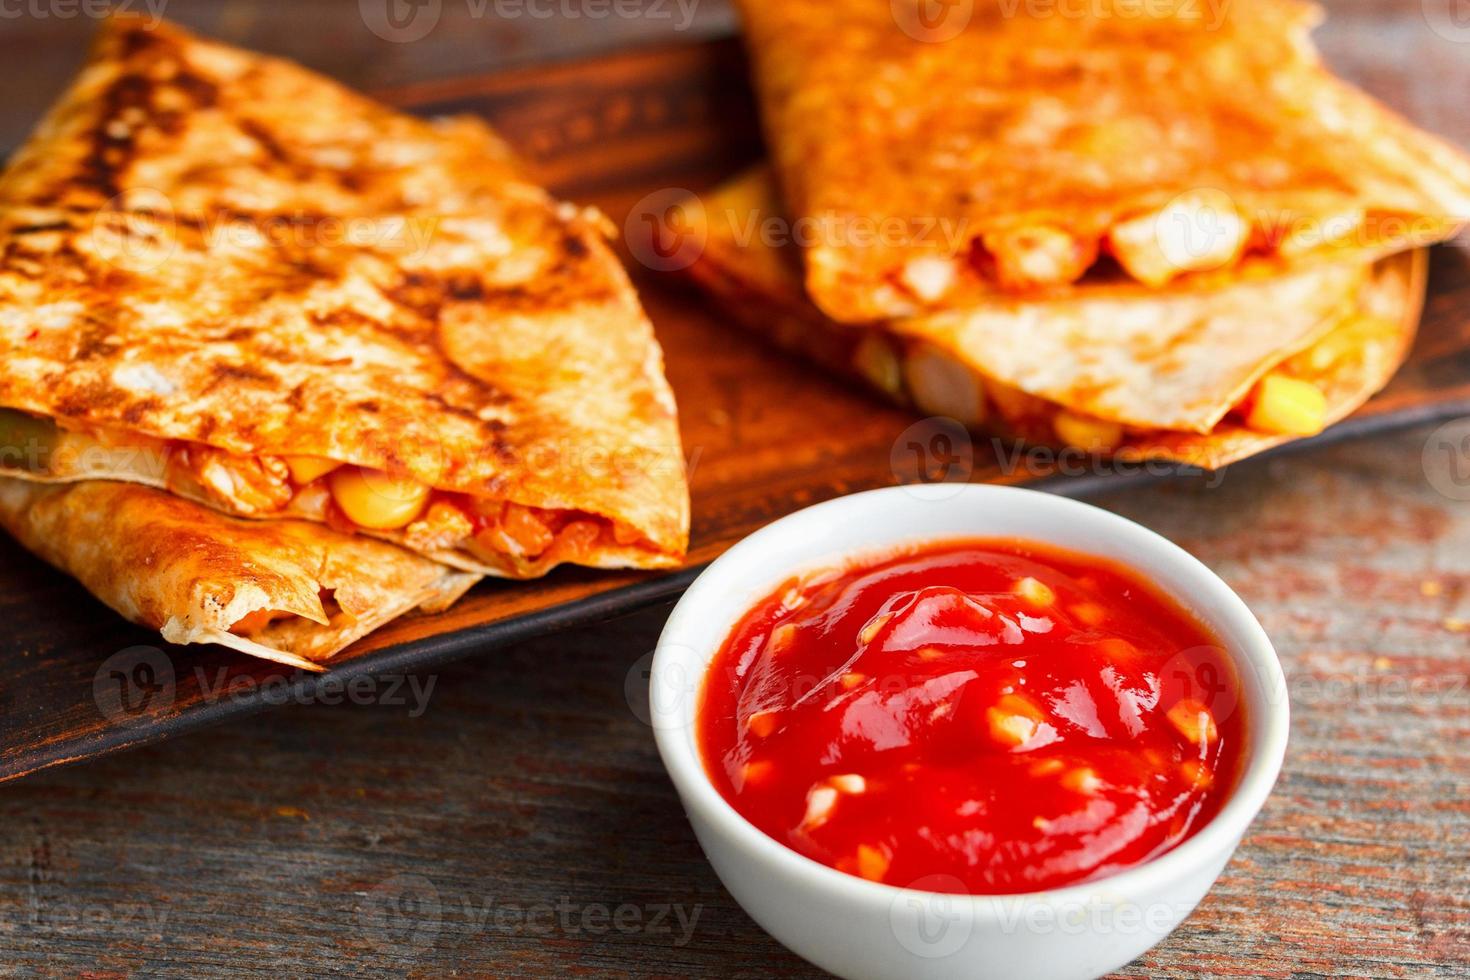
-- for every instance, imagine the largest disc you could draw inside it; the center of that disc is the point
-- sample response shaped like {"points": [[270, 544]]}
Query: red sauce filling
{"points": [[983, 717]]}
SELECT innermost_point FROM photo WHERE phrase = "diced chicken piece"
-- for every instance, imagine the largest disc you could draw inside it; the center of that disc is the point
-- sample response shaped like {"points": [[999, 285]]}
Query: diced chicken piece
{"points": [[849, 782], [443, 527], [928, 277], [938, 384], [1314, 233], [1198, 230], [1038, 256], [244, 484], [1287, 406]]}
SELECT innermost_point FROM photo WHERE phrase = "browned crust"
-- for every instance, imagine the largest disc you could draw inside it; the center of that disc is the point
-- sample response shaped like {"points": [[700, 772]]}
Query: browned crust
{"points": [[192, 573], [1073, 122], [203, 244]]}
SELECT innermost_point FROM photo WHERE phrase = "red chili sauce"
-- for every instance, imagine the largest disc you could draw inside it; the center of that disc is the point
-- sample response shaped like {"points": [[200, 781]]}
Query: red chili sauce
{"points": [[984, 717]]}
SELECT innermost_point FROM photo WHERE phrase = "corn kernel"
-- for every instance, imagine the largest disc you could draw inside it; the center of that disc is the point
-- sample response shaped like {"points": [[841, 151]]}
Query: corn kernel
{"points": [[849, 782], [1117, 649], [1194, 721], [930, 654], [761, 724], [756, 772], [782, 636], [304, 469], [876, 361], [872, 863], [872, 627], [1035, 591], [1085, 432], [1196, 773], [1046, 767], [1287, 406], [851, 680], [1013, 720], [1089, 613], [375, 500], [1082, 780]]}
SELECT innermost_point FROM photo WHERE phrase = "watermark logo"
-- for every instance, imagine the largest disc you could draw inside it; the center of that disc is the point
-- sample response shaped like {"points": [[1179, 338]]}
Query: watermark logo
{"points": [[666, 231], [136, 231], [1446, 459], [932, 21], [401, 21], [933, 451], [402, 913], [1450, 19], [933, 918], [1201, 675], [660, 699], [406, 21], [134, 686]]}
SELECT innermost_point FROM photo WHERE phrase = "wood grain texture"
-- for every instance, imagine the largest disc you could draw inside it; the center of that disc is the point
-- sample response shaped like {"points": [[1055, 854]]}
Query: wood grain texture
{"points": [[265, 849], [277, 846], [763, 435]]}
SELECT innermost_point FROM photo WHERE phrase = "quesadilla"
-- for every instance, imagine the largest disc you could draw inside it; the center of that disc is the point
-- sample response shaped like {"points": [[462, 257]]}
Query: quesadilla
{"points": [[1202, 377], [227, 277], [1000, 149], [295, 592]]}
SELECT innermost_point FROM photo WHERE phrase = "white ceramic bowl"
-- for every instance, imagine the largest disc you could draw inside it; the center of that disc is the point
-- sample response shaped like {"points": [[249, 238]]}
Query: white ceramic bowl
{"points": [[861, 929]]}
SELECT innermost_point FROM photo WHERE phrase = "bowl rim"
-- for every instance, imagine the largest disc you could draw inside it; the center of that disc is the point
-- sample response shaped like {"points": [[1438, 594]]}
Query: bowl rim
{"points": [[1268, 718]]}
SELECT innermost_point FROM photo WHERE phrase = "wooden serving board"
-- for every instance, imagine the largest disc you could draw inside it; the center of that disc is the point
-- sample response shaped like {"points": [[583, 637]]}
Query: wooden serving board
{"points": [[764, 436]]}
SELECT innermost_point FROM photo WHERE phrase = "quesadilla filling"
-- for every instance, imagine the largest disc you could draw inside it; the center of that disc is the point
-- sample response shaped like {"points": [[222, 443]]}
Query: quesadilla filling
{"points": [[458, 529], [1281, 403], [1193, 233]]}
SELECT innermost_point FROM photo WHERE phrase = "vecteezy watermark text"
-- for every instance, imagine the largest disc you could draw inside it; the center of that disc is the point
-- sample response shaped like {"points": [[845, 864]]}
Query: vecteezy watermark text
{"points": [[408, 912], [137, 684], [90, 9], [406, 21]]}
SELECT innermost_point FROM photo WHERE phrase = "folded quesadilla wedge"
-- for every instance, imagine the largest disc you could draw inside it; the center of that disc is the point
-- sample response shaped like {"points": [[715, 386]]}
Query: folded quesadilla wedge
{"points": [[1200, 377], [225, 276], [295, 592], [999, 148]]}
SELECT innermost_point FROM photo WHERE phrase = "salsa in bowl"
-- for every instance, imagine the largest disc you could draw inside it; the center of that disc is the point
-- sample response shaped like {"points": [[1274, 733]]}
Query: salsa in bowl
{"points": [[996, 714], [966, 731]]}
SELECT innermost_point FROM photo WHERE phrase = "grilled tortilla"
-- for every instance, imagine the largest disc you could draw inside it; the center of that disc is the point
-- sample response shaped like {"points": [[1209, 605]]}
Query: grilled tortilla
{"points": [[1108, 149], [1172, 376], [226, 276], [290, 591]]}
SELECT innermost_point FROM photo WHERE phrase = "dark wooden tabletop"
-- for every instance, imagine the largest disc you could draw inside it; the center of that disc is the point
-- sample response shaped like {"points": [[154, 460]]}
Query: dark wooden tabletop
{"points": [[509, 816]]}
